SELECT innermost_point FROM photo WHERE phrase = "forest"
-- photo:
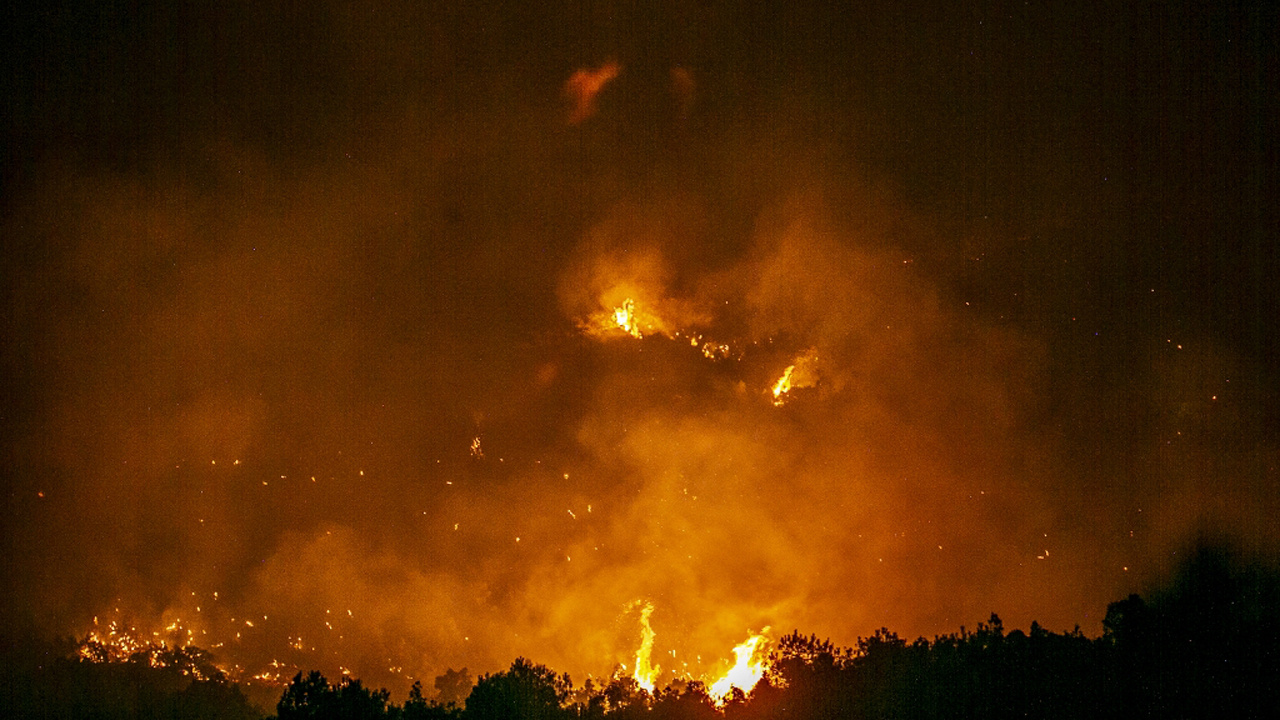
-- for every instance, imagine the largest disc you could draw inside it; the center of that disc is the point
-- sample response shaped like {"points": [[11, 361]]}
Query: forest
{"points": [[1205, 645]]}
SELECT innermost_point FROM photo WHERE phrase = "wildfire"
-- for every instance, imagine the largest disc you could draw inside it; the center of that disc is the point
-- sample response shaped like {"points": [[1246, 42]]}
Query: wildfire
{"points": [[646, 672], [750, 659], [714, 350], [115, 644], [783, 386], [625, 316], [173, 646], [800, 374]]}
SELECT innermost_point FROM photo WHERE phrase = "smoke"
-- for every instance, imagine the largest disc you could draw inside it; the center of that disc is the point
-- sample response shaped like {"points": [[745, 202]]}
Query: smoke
{"points": [[248, 356]]}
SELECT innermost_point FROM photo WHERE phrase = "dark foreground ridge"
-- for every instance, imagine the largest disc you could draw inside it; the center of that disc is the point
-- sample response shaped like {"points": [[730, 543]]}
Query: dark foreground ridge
{"points": [[1207, 646]]}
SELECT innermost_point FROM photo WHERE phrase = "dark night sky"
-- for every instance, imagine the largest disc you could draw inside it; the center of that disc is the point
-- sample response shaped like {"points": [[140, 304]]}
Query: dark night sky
{"points": [[270, 268]]}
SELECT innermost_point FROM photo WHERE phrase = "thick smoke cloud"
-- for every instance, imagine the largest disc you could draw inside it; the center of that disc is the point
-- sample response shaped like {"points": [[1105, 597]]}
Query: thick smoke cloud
{"points": [[312, 350]]}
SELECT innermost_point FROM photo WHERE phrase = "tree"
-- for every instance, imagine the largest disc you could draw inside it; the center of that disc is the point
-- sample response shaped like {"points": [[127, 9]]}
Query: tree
{"points": [[624, 698], [526, 691], [418, 708], [684, 701], [309, 698], [453, 687], [357, 702], [313, 698]]}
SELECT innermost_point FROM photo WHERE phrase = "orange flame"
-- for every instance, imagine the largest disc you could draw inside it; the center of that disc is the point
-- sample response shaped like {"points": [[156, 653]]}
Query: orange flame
{"points": [[783, 385], [750, 658], [646, 672], [625, 317], [800, 374]]}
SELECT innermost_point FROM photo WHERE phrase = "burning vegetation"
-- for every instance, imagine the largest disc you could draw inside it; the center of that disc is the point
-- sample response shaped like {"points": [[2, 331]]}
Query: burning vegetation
{"points": [[1179, 653], [375, 341]]}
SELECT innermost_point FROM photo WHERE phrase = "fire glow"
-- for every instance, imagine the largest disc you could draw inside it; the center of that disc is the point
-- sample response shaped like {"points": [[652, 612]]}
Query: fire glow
{"points": [[625, 316], [646, 672], [783, 386], [750, 659], [395, 365]]}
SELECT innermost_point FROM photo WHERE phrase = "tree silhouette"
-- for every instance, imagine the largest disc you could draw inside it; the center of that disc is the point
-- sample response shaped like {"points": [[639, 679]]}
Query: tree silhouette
{"points": [[624, 698], [313, 698], [309, 698], [1208, 645], [524, 691], [453, 687], [684, 701], [418, 708]]}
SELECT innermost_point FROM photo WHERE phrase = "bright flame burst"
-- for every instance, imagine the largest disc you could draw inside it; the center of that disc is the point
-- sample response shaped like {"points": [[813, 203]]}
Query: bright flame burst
{"points": [[646, 672], [783, 385], [802, 373], [750, 659], [625, 316]]}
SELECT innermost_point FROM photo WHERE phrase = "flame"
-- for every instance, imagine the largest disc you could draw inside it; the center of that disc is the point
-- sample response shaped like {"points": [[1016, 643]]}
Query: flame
{"points": [[750, 659], [801, 373], [646, 672], [783, 385], [625, 317]]}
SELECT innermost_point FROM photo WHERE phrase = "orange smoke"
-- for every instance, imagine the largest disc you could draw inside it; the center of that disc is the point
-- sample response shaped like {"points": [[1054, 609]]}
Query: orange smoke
{"points": [[583, 86]]}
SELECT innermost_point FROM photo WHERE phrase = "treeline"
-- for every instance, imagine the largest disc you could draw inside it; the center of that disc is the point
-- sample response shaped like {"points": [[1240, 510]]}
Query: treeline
{"points": [[1207, 646]]}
